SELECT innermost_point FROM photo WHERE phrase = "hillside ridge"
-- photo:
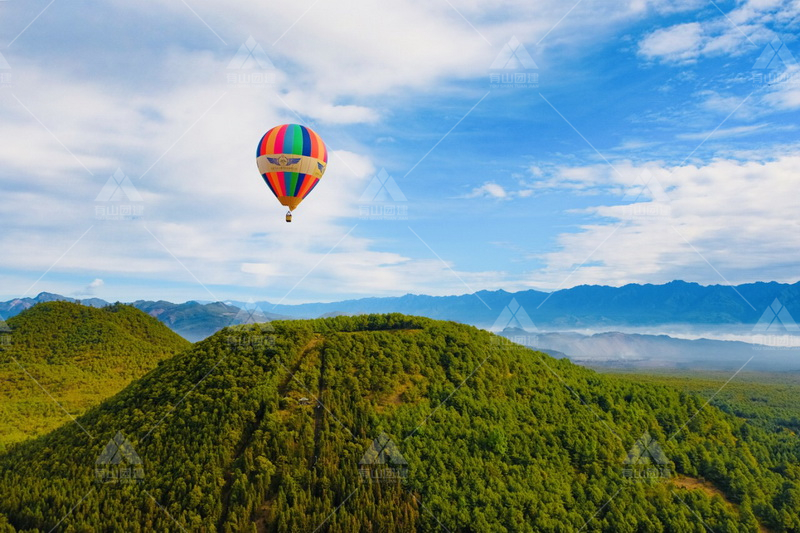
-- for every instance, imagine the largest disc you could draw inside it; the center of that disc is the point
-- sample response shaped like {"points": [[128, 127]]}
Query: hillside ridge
{"points": [[61, 358], [493, 435]]}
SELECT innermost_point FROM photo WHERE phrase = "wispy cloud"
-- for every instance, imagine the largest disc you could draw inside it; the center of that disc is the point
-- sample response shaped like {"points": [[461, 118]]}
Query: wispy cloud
{"points": [[723, 132], [732, 33], [488, 190], [91, 288]]}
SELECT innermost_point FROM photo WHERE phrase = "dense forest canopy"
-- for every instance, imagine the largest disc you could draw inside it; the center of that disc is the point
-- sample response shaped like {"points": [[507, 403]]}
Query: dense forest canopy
{"points": [[266, 428]]}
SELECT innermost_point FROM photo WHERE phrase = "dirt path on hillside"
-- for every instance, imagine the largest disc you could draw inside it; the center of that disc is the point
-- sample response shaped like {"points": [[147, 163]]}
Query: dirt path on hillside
{"points": [[710, 490]]}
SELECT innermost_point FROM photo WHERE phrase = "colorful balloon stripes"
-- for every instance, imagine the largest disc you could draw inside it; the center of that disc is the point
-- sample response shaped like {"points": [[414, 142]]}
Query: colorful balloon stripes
{"points": [[291, 158], [292, 139]]}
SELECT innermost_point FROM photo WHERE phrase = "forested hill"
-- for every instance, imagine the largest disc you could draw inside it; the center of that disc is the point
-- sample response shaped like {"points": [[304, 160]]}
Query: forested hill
{"points": [[78, 355], [485, 436]]}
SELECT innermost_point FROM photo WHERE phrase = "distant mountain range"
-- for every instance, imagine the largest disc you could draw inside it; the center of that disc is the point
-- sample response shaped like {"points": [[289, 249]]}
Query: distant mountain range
{"points": [[625, 350], [195, 321], [677, 302], [597, 308], [585, 306], [192, 320]]}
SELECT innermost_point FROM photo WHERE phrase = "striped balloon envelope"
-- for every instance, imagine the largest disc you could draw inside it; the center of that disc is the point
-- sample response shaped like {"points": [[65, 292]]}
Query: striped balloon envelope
{"points": [[291, 158]]}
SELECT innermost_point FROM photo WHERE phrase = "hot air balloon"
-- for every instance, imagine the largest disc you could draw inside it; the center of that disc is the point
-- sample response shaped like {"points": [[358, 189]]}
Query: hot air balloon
{"points": [[291, 158]]}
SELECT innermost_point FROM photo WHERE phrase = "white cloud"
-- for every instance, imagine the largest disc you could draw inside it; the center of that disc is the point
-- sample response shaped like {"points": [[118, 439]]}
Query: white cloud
{"points": [[310, 105], [488, 190], [362, 48], [90, 289], [737, 216], [579, 180], [678, 44], [735, 33]]}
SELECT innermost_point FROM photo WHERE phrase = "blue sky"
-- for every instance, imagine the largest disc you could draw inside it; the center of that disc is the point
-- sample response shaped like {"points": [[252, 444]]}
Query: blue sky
{"points": [[650, 141]]}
